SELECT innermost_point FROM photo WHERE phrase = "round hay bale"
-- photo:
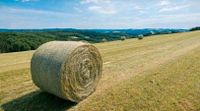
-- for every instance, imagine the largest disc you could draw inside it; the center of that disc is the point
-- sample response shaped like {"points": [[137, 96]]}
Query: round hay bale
{"points": [[67, 69], [123, 38], [104, 40], [140, 37]]}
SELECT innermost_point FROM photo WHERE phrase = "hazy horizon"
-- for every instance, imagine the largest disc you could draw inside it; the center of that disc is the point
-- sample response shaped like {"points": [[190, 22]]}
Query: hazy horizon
{"points": [[89, 28]]}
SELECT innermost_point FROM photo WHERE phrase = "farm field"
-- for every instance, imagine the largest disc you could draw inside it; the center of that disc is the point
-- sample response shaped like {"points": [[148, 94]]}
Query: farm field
{"points": [[157, 73]]}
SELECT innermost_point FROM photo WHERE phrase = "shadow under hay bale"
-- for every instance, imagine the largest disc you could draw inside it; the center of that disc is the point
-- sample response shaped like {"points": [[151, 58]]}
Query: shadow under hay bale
{"points": [[140, 38], [38, 101]]}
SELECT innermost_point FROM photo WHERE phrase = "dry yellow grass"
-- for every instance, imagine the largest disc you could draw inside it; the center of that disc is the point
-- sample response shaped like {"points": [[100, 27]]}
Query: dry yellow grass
{"points": [[15, 60], [128, 66]]}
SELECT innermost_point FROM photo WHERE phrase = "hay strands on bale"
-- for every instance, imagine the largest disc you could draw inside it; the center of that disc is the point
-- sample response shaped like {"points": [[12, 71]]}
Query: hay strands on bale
{"points": [[67, 69]]}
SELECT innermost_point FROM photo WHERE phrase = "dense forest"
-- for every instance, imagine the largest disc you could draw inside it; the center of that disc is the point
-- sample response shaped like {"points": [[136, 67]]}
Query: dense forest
{"points": [[195, 28], [22, 40]]}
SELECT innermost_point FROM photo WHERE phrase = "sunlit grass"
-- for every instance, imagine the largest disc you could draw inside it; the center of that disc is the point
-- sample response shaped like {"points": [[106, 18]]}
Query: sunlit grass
{"points": [[156, 73]]}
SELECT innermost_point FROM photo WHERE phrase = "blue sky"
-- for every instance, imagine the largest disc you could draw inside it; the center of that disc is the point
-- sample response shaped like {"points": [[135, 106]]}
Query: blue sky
{"points": [[28, 14]]}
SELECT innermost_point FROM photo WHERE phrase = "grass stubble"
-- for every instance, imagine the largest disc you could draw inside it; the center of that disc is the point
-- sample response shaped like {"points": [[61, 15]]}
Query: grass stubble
{"points": [[156, 73]]}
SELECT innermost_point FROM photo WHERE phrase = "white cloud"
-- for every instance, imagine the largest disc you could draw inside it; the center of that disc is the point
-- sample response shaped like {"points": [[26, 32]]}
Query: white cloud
{"points": [[167, 9], [164, 3], [139, 9], [102, 10], [31, 11], [100, 6], [32, 18], [94, 1], [78, 9], [127, 14], [26, 0]]}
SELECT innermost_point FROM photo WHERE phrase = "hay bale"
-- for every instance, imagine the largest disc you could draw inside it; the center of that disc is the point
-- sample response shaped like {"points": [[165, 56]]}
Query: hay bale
{"points": [[69, 70], [123, 38], [104, 40], [140, 37]]}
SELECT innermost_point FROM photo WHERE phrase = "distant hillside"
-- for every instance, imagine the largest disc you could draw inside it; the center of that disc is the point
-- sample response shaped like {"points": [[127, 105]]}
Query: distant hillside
{"points": [[124, 31], [195, 28], [13, 40]]}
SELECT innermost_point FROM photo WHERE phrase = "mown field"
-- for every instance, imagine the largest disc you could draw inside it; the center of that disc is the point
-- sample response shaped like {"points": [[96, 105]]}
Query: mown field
{"points": [[154, 74]]}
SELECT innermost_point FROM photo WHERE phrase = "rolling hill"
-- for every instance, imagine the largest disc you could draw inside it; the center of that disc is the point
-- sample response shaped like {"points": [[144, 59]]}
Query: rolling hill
{"points": [[157, 73], [14, 40]]}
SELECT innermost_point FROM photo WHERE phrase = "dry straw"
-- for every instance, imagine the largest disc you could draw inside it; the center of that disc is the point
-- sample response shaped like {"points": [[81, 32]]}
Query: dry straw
{"points": [[67, 69]]}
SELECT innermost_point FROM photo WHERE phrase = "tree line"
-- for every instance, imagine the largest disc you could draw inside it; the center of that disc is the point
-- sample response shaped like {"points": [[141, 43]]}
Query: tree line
{"points": [[22, 41]]}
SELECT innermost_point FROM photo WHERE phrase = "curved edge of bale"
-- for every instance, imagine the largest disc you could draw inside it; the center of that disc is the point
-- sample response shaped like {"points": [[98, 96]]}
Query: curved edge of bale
{"points": [[75, 95]]}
